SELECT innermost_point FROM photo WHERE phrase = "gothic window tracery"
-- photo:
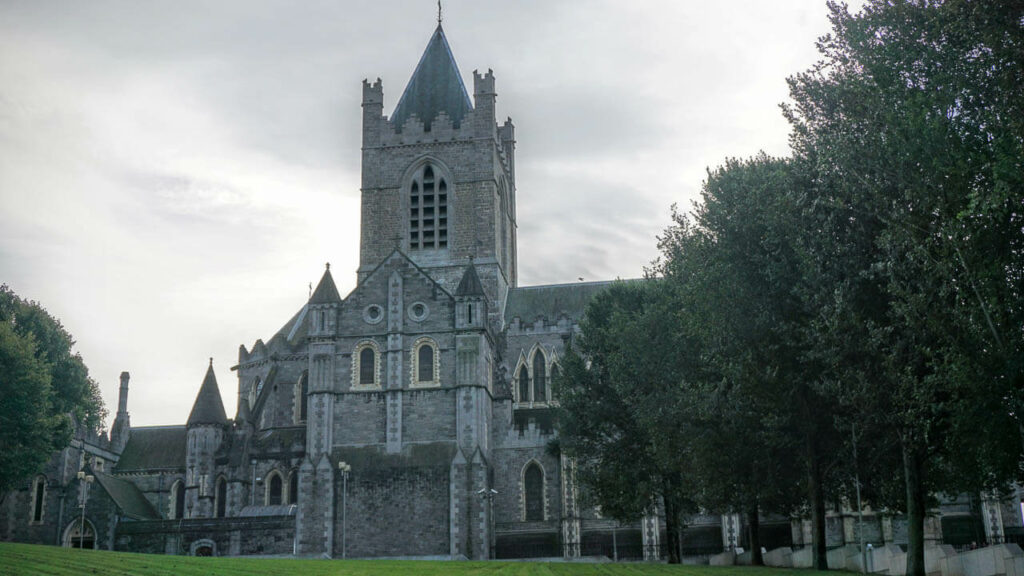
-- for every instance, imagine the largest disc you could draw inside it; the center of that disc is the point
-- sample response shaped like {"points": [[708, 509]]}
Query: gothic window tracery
{"points": [[302, 397], [428, 210]]}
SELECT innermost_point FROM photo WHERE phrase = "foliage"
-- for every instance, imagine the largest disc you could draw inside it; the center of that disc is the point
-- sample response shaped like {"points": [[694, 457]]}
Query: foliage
{"points": [[911, 130], [43, 384], [622, 416]]}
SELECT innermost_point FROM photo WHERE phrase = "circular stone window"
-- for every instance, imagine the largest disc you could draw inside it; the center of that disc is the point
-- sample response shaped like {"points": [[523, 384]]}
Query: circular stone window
{"points": [[418, 311], [373, 314]]}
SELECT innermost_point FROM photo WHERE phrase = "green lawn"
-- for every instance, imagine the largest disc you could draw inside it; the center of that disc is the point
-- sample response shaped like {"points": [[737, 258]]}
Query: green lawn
{"points": [[27, 559]]}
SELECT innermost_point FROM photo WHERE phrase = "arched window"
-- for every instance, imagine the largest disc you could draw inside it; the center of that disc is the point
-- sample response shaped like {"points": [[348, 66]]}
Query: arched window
{"points": [[274, 489], [221, 496], [425, 363], [524, 384], [366, 365], [303, 395], [38, 499], [177, 500], [533, 493], [555, 372], [428, 210], [293, 488], [540, 380], [425, 367]]}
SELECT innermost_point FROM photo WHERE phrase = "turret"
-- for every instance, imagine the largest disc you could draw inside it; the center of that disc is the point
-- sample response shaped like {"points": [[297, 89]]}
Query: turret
{"points": [[205, 431], [323, 307], [470, 301], [484, 97]]}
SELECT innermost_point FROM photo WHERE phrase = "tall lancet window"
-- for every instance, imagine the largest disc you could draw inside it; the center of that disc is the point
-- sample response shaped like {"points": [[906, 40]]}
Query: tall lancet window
{"points": [[428, 210]]}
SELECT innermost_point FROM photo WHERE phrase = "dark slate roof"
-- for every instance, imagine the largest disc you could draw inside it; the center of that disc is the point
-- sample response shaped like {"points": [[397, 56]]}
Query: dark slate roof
{"points": [[128, 497], [436, 86], [326, 292], [551, 301], [154, 448], [470, 284], [209, 408]]}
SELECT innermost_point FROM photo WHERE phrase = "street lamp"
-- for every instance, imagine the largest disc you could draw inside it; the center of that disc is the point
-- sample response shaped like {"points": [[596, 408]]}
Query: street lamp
{"points": [[488, 494], [345, 469], [85, 480]]}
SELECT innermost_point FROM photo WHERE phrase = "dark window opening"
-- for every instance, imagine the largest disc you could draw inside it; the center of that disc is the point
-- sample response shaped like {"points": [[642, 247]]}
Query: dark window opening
{"points": [[274, 496], [222, 497], [366, 367], [524, 385], [303, 395], [539, 377], [37, 507], [425, 362], [179, 501], [293, 488], [533, 487]]}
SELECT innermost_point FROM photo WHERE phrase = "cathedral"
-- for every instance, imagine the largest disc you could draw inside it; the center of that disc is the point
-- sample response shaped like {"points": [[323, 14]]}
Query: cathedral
{"points": [[408, 418]]}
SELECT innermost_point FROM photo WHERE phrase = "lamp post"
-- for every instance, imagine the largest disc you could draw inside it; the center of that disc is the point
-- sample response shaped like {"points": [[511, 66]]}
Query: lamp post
{"points": [[345, 469], [85, 480], [488, 494]]}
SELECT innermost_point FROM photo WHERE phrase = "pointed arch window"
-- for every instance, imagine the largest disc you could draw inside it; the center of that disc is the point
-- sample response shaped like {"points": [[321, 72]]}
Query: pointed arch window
{"points": [[177, 500], [540, 381], [221, 496], [274, 489], [38, 499], [428, 210], [524, 383], [533, 493], [302, 397], [293, 488]]}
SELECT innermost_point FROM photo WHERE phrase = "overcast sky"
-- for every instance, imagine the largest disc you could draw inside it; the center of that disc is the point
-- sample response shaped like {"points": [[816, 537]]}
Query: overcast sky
{"points": [[173, 175]]}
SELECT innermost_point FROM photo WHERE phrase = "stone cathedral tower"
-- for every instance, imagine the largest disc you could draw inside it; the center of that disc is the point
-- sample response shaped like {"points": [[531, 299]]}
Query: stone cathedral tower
{"points": [[439, 176]]}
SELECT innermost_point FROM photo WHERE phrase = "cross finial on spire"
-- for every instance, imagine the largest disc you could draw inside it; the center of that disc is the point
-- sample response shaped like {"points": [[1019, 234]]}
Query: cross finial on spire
{"points": [[328, 265], [438, 12], [211, 361]]}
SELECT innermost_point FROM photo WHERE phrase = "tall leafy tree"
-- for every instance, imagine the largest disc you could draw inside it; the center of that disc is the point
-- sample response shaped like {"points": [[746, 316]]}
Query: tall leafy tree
{"points": [[768, 419], [44, 384], [912, 128], [621, 411]]}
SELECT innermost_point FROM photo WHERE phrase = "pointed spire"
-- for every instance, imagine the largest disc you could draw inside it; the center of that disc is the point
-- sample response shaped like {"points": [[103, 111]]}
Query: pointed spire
{"points": [[326, 292], [208, 408], [436, 86], [470, 284]]}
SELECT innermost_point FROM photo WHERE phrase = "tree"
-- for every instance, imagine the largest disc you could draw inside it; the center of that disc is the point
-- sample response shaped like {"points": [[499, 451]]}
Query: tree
{"points": [[620, 416], [28, 425], [912, 128], [737, 262], [43, 385]]}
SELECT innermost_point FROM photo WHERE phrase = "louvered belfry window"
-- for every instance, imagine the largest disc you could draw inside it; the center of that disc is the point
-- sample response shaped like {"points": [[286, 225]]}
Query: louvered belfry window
{"points": [[428, 211]]}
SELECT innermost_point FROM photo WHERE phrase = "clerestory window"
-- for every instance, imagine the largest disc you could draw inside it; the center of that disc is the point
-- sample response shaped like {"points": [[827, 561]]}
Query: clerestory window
{"points": [[428, 210]]}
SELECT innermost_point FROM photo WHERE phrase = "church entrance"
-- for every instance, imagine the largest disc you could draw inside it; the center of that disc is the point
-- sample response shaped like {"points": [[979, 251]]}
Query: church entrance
{"points": [[76, 537]]}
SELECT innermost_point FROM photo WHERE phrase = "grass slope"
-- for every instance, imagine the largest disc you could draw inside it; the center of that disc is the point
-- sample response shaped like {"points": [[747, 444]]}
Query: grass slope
{"points": [[29, 559]]}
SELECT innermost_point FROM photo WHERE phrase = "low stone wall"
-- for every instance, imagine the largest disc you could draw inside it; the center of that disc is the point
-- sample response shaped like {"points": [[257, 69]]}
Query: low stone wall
{"points": [[237, 536]]}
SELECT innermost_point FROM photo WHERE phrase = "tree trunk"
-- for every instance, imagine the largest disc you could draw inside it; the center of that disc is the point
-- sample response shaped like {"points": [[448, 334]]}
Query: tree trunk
{"points": [[672, 532], [754, 526], [912, 469], [819, 552]]}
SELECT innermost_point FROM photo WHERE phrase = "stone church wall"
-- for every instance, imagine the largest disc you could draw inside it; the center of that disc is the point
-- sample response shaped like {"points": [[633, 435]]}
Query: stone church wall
{"points": [[268, 535], [428, 415]]}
